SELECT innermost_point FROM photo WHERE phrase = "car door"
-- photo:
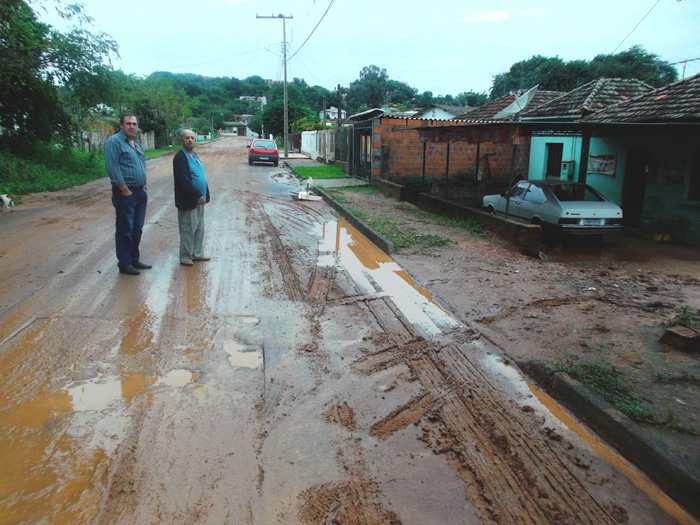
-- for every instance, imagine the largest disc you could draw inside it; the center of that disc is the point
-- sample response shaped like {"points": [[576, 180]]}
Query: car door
{"points": [[532, 203], [516, 194]]}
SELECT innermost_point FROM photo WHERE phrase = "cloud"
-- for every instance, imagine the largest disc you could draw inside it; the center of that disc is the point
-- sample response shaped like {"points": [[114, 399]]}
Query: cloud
{"points": [[487, 16]]}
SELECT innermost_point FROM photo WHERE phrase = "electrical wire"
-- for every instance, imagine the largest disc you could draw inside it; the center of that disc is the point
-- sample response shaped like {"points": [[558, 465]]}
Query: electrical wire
{"points": [[314, 30], [635, 27]]}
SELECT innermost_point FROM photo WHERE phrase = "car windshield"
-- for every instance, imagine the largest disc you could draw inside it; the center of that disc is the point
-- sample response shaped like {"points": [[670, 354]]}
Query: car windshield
{"points": [[267, 144], [575, 192]]}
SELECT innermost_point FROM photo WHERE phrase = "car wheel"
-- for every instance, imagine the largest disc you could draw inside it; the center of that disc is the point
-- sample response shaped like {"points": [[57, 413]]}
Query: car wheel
{"points": [[490, 210], [250, 162], [277, 163]]}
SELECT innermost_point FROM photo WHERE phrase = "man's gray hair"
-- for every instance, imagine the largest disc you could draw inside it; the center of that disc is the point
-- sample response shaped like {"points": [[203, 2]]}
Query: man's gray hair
{"points": [[183, 130]]}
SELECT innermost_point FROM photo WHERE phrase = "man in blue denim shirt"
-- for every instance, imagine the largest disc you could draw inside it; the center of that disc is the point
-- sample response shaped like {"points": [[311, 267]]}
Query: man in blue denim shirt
{"points": [[126, 165]]}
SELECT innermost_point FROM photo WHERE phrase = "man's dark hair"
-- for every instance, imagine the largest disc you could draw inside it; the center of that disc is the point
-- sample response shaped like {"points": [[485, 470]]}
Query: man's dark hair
{"points": [[124, 115]]}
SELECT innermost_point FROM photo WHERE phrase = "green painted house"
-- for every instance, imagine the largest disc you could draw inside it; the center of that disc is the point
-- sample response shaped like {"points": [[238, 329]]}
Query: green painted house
{"points": [[637, 145]]}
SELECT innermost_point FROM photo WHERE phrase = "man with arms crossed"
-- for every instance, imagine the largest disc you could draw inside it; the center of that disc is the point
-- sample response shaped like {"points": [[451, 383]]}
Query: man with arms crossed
{"points": [[191, 194], [126, 165]]}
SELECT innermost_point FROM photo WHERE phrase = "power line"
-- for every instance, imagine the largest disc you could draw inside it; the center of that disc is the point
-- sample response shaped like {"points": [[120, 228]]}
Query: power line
{"points": [[314, 29], [635, 27]]}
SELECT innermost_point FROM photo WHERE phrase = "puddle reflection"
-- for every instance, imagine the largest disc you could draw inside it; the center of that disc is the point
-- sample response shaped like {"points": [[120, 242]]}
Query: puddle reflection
{"points": [[239, 356], [375, 273]]}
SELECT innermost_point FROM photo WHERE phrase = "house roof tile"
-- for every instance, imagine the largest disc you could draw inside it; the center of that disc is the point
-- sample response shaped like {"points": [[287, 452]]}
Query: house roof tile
{"points": [[592, 96], [677, 102], [488, 111]]}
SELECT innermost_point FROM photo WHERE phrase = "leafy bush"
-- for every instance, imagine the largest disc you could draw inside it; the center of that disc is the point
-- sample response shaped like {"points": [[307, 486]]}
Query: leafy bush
{"points": [[468, 174], [416, 184], [46, 167]]}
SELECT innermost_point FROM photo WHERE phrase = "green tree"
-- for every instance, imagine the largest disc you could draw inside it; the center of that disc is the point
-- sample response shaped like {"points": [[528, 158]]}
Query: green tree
{"points": [[273, 116], [369, 91], [635, 63], [557, 75], [399, 92], [30, 105], [35, 60], [472, 99]]}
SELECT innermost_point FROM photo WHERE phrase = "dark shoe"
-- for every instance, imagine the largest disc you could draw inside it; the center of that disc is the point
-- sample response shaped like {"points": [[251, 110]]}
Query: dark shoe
{"points": [[186, 263], [202, 258], [141, 266], [129, 270]]}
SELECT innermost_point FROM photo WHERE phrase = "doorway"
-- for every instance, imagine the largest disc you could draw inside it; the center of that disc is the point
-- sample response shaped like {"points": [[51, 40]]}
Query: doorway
{"points": [[635, 185]]}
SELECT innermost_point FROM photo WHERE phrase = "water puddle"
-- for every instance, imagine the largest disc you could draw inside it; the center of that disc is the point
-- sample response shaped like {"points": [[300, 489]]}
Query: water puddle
{"points": [[177, 378], [102, 391], [375, 273], [240, 357], [95, 394]]}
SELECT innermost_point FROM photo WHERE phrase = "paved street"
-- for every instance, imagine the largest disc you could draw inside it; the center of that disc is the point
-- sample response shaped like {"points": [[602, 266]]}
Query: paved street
{"points": [[300, 376]]}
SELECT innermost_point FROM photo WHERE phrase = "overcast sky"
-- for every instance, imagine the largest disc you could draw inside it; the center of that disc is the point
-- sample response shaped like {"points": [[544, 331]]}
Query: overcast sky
{"points": [[443, 46]]}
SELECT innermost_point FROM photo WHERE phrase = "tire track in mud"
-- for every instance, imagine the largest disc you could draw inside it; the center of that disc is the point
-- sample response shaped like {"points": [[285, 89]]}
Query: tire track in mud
{"points": [[511, 474], [277, 253], [357, 500]]}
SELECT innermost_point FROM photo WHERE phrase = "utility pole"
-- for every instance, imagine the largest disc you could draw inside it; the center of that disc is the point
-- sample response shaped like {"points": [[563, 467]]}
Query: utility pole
{"points": [[284, 19], [340, 106]]}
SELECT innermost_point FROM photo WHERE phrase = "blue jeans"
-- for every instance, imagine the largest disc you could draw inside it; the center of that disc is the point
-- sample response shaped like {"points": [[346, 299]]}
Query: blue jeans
{"points": [[131, 214]]}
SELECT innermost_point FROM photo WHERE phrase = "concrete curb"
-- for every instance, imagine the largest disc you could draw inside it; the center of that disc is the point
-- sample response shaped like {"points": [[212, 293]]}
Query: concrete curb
{"points": [[377, 238], [677, 479]]}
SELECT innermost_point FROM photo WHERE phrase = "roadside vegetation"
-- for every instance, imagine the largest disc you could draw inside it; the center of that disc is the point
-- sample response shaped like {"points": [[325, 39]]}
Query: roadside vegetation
{"points": [[611, 384], [46, 167], [470, 225], [153, 153], [686, 318]]}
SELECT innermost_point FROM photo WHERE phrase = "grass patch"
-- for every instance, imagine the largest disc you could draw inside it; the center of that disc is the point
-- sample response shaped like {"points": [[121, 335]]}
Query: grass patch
{"points": [[359, 214], [336, 195], [406, 239], [686, 318], [609, 383], [683, 379], [330, 171], [45, 167], [153, 153], [470, 225]]}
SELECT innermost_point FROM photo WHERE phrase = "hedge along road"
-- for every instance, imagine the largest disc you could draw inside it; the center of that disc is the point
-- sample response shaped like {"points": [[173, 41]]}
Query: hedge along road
{"points": [[300, 376]]}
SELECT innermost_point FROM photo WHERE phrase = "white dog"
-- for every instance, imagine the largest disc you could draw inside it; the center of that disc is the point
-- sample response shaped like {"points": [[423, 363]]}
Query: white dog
{"points": [[7, 202]]}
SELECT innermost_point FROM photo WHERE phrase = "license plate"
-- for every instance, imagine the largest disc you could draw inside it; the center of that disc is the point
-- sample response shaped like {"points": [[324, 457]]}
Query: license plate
{"points": [[593, 222], [264, 158]]}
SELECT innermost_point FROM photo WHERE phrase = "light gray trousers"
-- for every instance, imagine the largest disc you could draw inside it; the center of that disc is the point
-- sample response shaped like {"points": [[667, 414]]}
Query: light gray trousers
{"points": [[191, 225]]}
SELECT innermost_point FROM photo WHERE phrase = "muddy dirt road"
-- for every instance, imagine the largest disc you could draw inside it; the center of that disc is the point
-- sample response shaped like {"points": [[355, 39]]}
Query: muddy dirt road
{"points": [[299, 377]]}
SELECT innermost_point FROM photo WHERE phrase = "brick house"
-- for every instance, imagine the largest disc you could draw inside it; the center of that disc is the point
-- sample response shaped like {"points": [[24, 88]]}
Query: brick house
{"points": [[395, 150]]}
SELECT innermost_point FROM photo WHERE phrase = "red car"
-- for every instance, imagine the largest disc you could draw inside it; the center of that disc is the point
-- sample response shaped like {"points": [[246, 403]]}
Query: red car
{"points": [[263, 150]]}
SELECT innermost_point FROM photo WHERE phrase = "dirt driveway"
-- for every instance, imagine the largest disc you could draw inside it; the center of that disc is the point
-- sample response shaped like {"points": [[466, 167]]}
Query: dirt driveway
{"points": [[300, 376]]}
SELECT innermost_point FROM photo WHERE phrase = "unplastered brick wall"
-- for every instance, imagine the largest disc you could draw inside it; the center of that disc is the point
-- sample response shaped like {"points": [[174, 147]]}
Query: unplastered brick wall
{"points": [[397, 152]]}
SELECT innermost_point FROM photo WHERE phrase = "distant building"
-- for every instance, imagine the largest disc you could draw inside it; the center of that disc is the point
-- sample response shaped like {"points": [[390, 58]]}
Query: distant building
{"points": [[332, 115], [235, 128]]}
